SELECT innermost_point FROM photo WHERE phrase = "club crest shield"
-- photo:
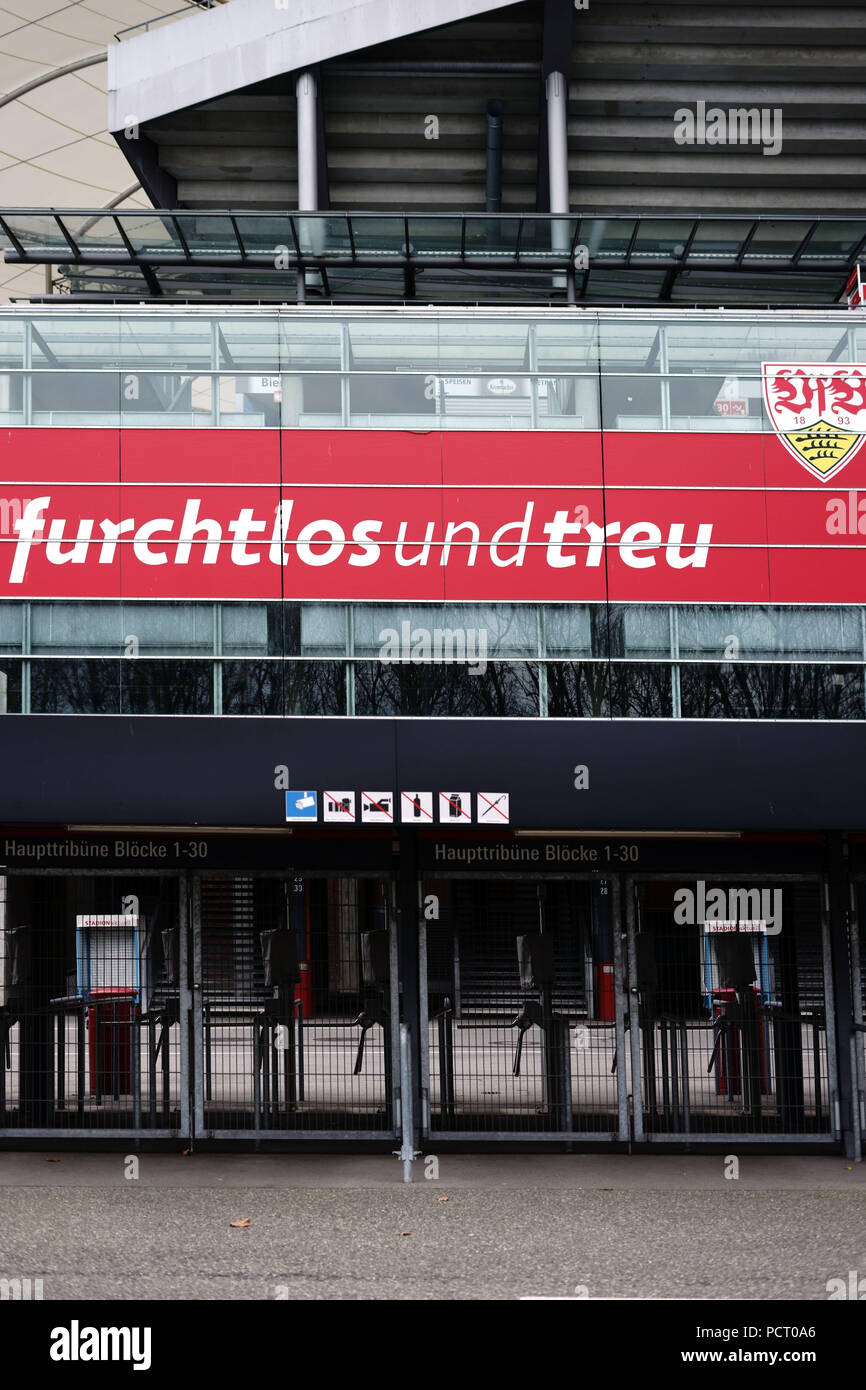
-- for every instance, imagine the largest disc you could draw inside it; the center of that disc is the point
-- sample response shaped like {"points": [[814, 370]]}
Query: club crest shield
{"points": [[818, 411]]}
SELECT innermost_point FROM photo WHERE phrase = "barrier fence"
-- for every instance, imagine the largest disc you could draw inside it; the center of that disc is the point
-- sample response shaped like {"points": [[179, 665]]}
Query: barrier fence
{"points": [[568, 1009]]}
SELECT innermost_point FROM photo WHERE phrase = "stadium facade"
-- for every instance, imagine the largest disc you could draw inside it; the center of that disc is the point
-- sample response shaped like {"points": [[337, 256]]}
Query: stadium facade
{"points": [[395, 452]]}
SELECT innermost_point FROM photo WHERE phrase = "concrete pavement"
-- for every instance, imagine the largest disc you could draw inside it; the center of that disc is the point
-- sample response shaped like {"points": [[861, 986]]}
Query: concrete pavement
{"points": [[488, 1227]]}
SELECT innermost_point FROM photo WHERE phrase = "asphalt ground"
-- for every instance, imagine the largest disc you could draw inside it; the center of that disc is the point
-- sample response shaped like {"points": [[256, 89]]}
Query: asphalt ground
{"points": [[487, 1227]]}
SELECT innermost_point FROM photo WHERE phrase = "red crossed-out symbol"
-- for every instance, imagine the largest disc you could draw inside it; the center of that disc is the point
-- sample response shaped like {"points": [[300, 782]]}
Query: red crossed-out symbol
{"points": [[383, 806]]}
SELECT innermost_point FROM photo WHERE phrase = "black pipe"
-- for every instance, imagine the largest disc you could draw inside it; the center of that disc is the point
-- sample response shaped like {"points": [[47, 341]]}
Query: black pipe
{"points": [[494, 156]]}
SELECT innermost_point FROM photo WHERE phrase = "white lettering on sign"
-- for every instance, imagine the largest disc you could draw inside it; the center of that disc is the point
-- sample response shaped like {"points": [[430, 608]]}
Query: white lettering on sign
{"points": [[320, 542]]}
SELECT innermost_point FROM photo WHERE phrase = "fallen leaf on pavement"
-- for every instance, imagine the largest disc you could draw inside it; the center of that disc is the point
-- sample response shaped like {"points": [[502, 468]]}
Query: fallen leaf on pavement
{"points": [[441, 1199], [244, 1222]]}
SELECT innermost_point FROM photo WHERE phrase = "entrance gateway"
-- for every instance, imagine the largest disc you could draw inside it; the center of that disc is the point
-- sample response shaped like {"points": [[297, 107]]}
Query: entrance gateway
{"points": [[204, 988]]}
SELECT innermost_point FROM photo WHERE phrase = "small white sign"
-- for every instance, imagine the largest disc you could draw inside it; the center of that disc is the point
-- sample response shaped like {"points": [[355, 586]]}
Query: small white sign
{"points": [[719, 927], [416, 808], [455, 808], [339, 807], [377, 808], [493, 808]]}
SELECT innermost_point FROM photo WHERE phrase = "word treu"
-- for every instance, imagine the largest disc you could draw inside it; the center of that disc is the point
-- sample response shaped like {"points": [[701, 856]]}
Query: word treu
{"points": [[286, 538]]}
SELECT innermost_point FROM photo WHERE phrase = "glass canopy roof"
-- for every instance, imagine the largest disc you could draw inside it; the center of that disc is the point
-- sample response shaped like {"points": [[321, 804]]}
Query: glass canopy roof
{"points": [[448, 257]]}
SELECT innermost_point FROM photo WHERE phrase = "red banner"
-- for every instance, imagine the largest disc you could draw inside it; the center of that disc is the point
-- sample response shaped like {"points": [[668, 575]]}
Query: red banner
{"points": [[388, 515]]}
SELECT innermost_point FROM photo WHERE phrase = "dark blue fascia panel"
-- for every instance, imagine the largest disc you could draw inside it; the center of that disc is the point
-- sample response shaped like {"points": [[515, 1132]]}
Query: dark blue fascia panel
{"points": [[172, 770]]}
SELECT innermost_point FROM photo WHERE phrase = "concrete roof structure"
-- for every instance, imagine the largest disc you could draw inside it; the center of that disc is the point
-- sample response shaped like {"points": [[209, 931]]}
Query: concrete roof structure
{"points": [[55, 149], [252, 40]]}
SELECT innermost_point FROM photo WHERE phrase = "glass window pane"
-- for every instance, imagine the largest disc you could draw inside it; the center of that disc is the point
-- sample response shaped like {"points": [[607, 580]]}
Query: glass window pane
{"points": [[461, 633], [391, 399], [210, 235], [169, 629], [629, 345], [379, 236], [75, 687], [567, 631], [310, 344], [491, 237], [711, 345], [323, 629], [435, 236], [11, 621], [835, 241], [10, 686], [314, 687], [321, 235], [171, 400], [249, 344], [250, 629], [11, 342], [639, 691], [167, 687], [738, 632], [483, 345], [179, 342], [504, 689], [645, 631], [38, 232], [704, 402], [662, 238], [776, 239], [151, 234], [267, 237], [86, 629], [564, 346], [252, 687], [606, 237], [76, 398], [70, 339], [736, 690], [631, 402], [395, 344], [578, 689], [313, 401]]}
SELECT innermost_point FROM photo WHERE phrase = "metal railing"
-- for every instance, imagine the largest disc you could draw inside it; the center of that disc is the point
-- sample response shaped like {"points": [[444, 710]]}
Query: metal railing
{"points": [[145, 25]]}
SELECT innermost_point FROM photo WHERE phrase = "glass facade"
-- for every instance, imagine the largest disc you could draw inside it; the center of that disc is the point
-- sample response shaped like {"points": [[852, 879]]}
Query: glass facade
{"points": [[425, 369], [421, 371], [456, 660]]}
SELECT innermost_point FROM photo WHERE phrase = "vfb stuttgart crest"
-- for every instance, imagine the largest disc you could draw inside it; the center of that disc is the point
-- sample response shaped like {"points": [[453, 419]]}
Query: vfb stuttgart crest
{"points": [[818, 410]]}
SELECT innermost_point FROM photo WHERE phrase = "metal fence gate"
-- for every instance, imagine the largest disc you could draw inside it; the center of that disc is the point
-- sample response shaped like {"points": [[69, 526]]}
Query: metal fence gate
{"points": [[632, 1009], [522, 1017], [260, 1006], [294, 1007], [175, 1006], [731, 1009], [94, 998]]}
